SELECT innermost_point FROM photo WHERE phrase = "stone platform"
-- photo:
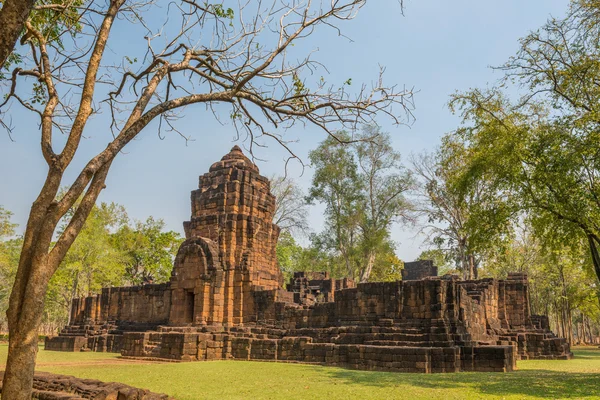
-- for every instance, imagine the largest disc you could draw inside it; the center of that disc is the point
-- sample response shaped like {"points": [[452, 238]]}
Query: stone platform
{"points": [[226, 300]]}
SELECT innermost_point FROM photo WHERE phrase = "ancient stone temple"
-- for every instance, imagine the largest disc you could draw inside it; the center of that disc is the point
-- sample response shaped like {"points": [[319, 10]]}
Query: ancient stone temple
{"points": [[230, 246], [226, 300]]}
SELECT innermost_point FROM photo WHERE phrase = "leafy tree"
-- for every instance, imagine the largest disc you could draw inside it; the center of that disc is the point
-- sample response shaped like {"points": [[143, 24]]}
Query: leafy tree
{"points": [[289, 255], [57, 80], [91, 263], [441, 259], [387, 267], [148, 251], [291, 215], [384, 181], [362, 186], [561, 278], [554, 126], [336, 183], [92, 259], [540, 154], [316, 257], [10, 250], [7, 229], [549, 166], [108, 252], [462, 220]]}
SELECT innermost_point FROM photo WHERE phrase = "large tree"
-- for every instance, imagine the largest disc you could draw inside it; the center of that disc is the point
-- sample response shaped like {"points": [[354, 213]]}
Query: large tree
{"points": [[109, 251], [362, 186], [558, 66], [92, 254], [202, 53], [90, 264], [54, 18], [549, 165], [561, 280], [148, 251], [461, 220], [336, 184], [385, 182]]}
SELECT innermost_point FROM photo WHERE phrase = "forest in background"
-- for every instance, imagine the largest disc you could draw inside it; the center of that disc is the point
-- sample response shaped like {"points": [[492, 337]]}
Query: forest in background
{"points": [[111, 251]]}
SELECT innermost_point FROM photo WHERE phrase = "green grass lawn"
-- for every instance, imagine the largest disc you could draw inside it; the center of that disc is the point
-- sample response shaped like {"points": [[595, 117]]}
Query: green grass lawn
{"points": [[577, 379]]}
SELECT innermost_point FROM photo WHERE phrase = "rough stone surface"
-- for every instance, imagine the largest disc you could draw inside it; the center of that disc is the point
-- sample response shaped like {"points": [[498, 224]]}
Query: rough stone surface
{"points": [[225, 301], [416, 270], [48, 386]]}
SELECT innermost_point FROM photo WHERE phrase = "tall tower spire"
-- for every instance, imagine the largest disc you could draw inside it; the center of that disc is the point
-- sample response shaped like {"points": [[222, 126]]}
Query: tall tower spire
{"points": [[231, 245]]}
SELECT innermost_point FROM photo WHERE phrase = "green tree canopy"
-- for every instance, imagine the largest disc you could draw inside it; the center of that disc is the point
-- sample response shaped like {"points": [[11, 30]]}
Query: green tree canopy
{"points": [[548, 165], [362, 184], [148, 250], [461, 220]]}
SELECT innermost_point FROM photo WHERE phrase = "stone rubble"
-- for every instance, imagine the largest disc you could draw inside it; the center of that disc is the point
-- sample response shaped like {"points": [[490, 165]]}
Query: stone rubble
{"points": [[48, 386]]}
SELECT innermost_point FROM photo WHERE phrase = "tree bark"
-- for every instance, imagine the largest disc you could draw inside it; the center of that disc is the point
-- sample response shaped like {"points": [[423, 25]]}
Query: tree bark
{"points": [[36, 267], [26, 302], [593, 240], [589, 331], [367, 271], [472, 267], [24, 319], [13, 15], [465, 266], [557, 318]]}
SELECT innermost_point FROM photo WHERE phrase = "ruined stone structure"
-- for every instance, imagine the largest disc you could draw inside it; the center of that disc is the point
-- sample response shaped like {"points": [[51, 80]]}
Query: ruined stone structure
{"points": [[48, 386], [230, 246], [225, 300], [417, 270]]}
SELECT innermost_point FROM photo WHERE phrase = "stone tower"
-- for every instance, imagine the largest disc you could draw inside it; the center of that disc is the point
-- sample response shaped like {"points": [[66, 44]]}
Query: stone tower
{"points": [[230, 247]]}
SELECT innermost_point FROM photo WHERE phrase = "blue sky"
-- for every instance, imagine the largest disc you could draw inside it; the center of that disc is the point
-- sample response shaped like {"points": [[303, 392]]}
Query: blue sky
{"points": [[437, 47]]}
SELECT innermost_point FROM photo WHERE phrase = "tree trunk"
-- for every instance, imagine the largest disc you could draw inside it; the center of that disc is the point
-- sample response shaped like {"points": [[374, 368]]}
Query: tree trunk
{"points": [[590, 331], [565, 309], [24, 316], [367, 271], [13, 15], [557, 318], [26, 303], [465, 267], [348, 266], [472, 267], [593, 240], [73, 295]]}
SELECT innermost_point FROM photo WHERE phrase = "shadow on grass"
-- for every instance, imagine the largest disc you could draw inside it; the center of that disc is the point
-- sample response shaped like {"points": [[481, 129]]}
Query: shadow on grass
{"points": [[590, 353], [535, 382]]}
